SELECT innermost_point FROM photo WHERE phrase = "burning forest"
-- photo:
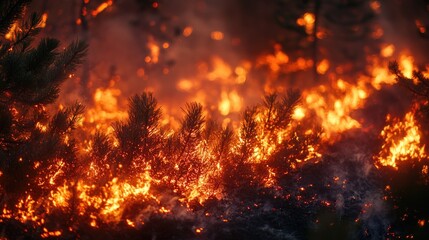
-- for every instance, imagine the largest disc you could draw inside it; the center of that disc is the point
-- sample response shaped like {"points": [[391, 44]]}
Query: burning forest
{"points": [[198, 119]]}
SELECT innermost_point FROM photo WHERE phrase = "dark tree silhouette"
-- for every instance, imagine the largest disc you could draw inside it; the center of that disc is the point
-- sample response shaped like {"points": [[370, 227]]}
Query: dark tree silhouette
{"points": [[33, 145]]}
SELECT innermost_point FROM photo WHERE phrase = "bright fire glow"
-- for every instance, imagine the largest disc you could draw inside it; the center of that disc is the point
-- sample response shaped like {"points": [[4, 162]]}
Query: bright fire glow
{"points": [[401, 141]]}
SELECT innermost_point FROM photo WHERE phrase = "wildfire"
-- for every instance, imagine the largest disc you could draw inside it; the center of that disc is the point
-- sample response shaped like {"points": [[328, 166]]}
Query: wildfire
{"points": [[401, 141], [154, 170]]}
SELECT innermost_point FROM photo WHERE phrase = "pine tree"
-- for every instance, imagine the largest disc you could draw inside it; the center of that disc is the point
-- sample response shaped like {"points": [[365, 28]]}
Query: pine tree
{"points": [[347, 25], [409, 183], [33, 145], [139, 138]]}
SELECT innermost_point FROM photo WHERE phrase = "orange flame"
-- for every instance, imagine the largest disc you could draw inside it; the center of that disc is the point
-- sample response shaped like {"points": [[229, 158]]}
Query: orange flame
{"points": [[401, 141]]}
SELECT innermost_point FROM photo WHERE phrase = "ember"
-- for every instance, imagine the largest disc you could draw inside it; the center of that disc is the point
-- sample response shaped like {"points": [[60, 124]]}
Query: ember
{"points": [[214, 120]]}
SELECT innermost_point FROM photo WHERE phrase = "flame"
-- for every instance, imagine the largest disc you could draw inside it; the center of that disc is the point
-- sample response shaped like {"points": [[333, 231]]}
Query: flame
{"points": [[335, 103], [106, 109], [334, 107], [401, 141]]}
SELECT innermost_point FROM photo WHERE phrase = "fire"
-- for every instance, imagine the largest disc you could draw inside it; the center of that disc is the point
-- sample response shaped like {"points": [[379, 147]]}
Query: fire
{"points": [[106, 109], [333, 105], [170, 172], [401, 141]]}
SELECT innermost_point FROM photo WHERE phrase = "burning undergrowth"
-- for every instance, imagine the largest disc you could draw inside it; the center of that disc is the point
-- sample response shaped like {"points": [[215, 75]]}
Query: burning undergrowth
{"points": [[315, 164]]}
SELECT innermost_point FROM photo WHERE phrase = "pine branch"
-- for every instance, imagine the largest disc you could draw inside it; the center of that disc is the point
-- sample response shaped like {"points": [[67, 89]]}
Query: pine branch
{"points": [[66, 62], [24, 38], [144, 112], [223, 146], [287, 107], [43, 56], [10, 11], [191, 126], [188, 138], [101, 146], [248, 133], [139, 137], [65, 120], [421, 89]]}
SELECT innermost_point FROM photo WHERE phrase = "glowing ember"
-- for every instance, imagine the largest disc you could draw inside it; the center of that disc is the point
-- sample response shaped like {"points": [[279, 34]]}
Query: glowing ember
{"points": [[217, 35], [187, 31], [103, 6], [307, 21]]}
